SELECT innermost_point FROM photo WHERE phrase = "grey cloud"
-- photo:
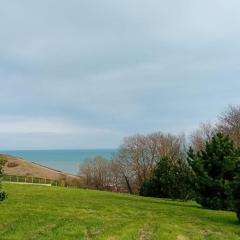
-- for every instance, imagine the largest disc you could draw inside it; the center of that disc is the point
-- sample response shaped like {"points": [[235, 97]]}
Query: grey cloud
{"points": [[124, 66]]}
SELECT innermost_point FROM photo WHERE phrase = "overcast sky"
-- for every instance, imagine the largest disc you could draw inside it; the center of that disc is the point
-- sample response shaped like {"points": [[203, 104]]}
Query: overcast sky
{"points": [[85, 74]]}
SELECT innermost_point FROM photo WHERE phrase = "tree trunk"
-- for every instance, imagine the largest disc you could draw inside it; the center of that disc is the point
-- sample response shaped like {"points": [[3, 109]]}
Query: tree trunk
{"points": [[128, 185]]}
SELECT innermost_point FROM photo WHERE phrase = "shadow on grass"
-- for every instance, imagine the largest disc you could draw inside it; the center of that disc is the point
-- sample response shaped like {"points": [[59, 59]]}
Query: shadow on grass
{"points": [[170, 202], [221, 219], [206, 215], [203, 214]]}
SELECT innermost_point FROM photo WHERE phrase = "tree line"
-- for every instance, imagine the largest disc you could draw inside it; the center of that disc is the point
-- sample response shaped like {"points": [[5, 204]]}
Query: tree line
{"points": [[204, 166]]}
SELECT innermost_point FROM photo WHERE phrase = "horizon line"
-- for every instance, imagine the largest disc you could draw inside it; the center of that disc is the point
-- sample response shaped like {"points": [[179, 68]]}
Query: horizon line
{"points": [[58, 149]]}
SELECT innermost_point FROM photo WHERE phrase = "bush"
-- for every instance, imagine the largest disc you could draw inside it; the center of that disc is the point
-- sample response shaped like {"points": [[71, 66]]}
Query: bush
{"points": [[149, 188], [215, 168], [171, 179], [3, 195]]}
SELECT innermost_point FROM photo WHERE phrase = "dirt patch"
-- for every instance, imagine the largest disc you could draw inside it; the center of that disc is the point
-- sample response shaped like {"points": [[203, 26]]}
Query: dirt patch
{"points": [[144, 235], [12, 164], [181, 237]]}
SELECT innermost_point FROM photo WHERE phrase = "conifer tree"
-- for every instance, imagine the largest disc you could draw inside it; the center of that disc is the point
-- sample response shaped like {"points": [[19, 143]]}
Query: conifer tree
{"points": [[171, 179], [215, 168]]}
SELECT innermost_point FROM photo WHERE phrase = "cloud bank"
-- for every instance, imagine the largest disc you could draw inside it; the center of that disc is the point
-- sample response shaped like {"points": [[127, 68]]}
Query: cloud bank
{"points": [[84, 74]]}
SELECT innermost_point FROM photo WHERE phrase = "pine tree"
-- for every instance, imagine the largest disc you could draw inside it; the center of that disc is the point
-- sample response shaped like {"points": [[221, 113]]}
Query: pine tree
{"points": [[171, 179], [215, 168]]}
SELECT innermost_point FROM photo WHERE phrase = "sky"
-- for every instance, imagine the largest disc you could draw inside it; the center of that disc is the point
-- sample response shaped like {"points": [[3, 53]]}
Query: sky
{"points": [[86, 74]]}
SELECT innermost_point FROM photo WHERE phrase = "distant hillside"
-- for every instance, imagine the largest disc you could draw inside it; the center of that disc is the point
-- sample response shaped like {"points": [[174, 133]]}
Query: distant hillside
{"points": [[21, 167]]}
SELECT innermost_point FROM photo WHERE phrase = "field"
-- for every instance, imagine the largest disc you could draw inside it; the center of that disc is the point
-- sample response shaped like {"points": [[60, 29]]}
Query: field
{"points": [[41, 213]]}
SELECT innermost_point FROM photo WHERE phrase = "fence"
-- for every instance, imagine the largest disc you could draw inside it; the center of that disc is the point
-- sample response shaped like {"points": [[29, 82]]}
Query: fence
{"points": [[33, 180]]}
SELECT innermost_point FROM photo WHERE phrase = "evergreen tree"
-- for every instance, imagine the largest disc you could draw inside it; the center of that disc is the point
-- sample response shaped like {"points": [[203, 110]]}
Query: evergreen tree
{"points": [[171, 179], [215, 168]]}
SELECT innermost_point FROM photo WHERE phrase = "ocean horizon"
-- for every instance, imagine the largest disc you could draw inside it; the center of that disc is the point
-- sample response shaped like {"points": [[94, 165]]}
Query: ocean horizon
{"points": [[66, 160]]}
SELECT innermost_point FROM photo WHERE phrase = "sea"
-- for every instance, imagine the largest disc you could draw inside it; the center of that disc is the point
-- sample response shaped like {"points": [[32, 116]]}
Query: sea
{"points": [[65, 160]]}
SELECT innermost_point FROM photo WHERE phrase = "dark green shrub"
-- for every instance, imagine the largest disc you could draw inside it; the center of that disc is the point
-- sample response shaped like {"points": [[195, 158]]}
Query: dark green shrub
{"points": [[149, 188], [3, 195], [171, 179], [215, 168]]}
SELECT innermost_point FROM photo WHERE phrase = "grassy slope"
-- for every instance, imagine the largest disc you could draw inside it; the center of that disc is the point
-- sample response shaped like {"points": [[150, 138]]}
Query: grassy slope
{"points": [[39, 212]]}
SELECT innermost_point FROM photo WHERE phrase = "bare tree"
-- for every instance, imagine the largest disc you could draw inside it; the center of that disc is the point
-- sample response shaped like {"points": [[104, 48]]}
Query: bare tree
{"points": [[229, 123], [101, 173], [139, 154], [115, 180], [127, 173], [95, 172], [202, 135]]}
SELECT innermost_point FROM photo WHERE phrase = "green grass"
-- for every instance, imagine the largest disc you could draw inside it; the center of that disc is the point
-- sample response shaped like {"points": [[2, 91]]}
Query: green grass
{"points": [[39, 212]]}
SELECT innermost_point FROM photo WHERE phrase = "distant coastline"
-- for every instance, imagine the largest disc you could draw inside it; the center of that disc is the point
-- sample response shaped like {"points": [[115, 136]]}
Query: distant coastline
{"points": [[66, 160]]}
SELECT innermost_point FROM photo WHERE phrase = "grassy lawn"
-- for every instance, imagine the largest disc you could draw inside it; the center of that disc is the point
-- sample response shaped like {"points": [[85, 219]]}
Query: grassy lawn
{"points": [[39, 212]]}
